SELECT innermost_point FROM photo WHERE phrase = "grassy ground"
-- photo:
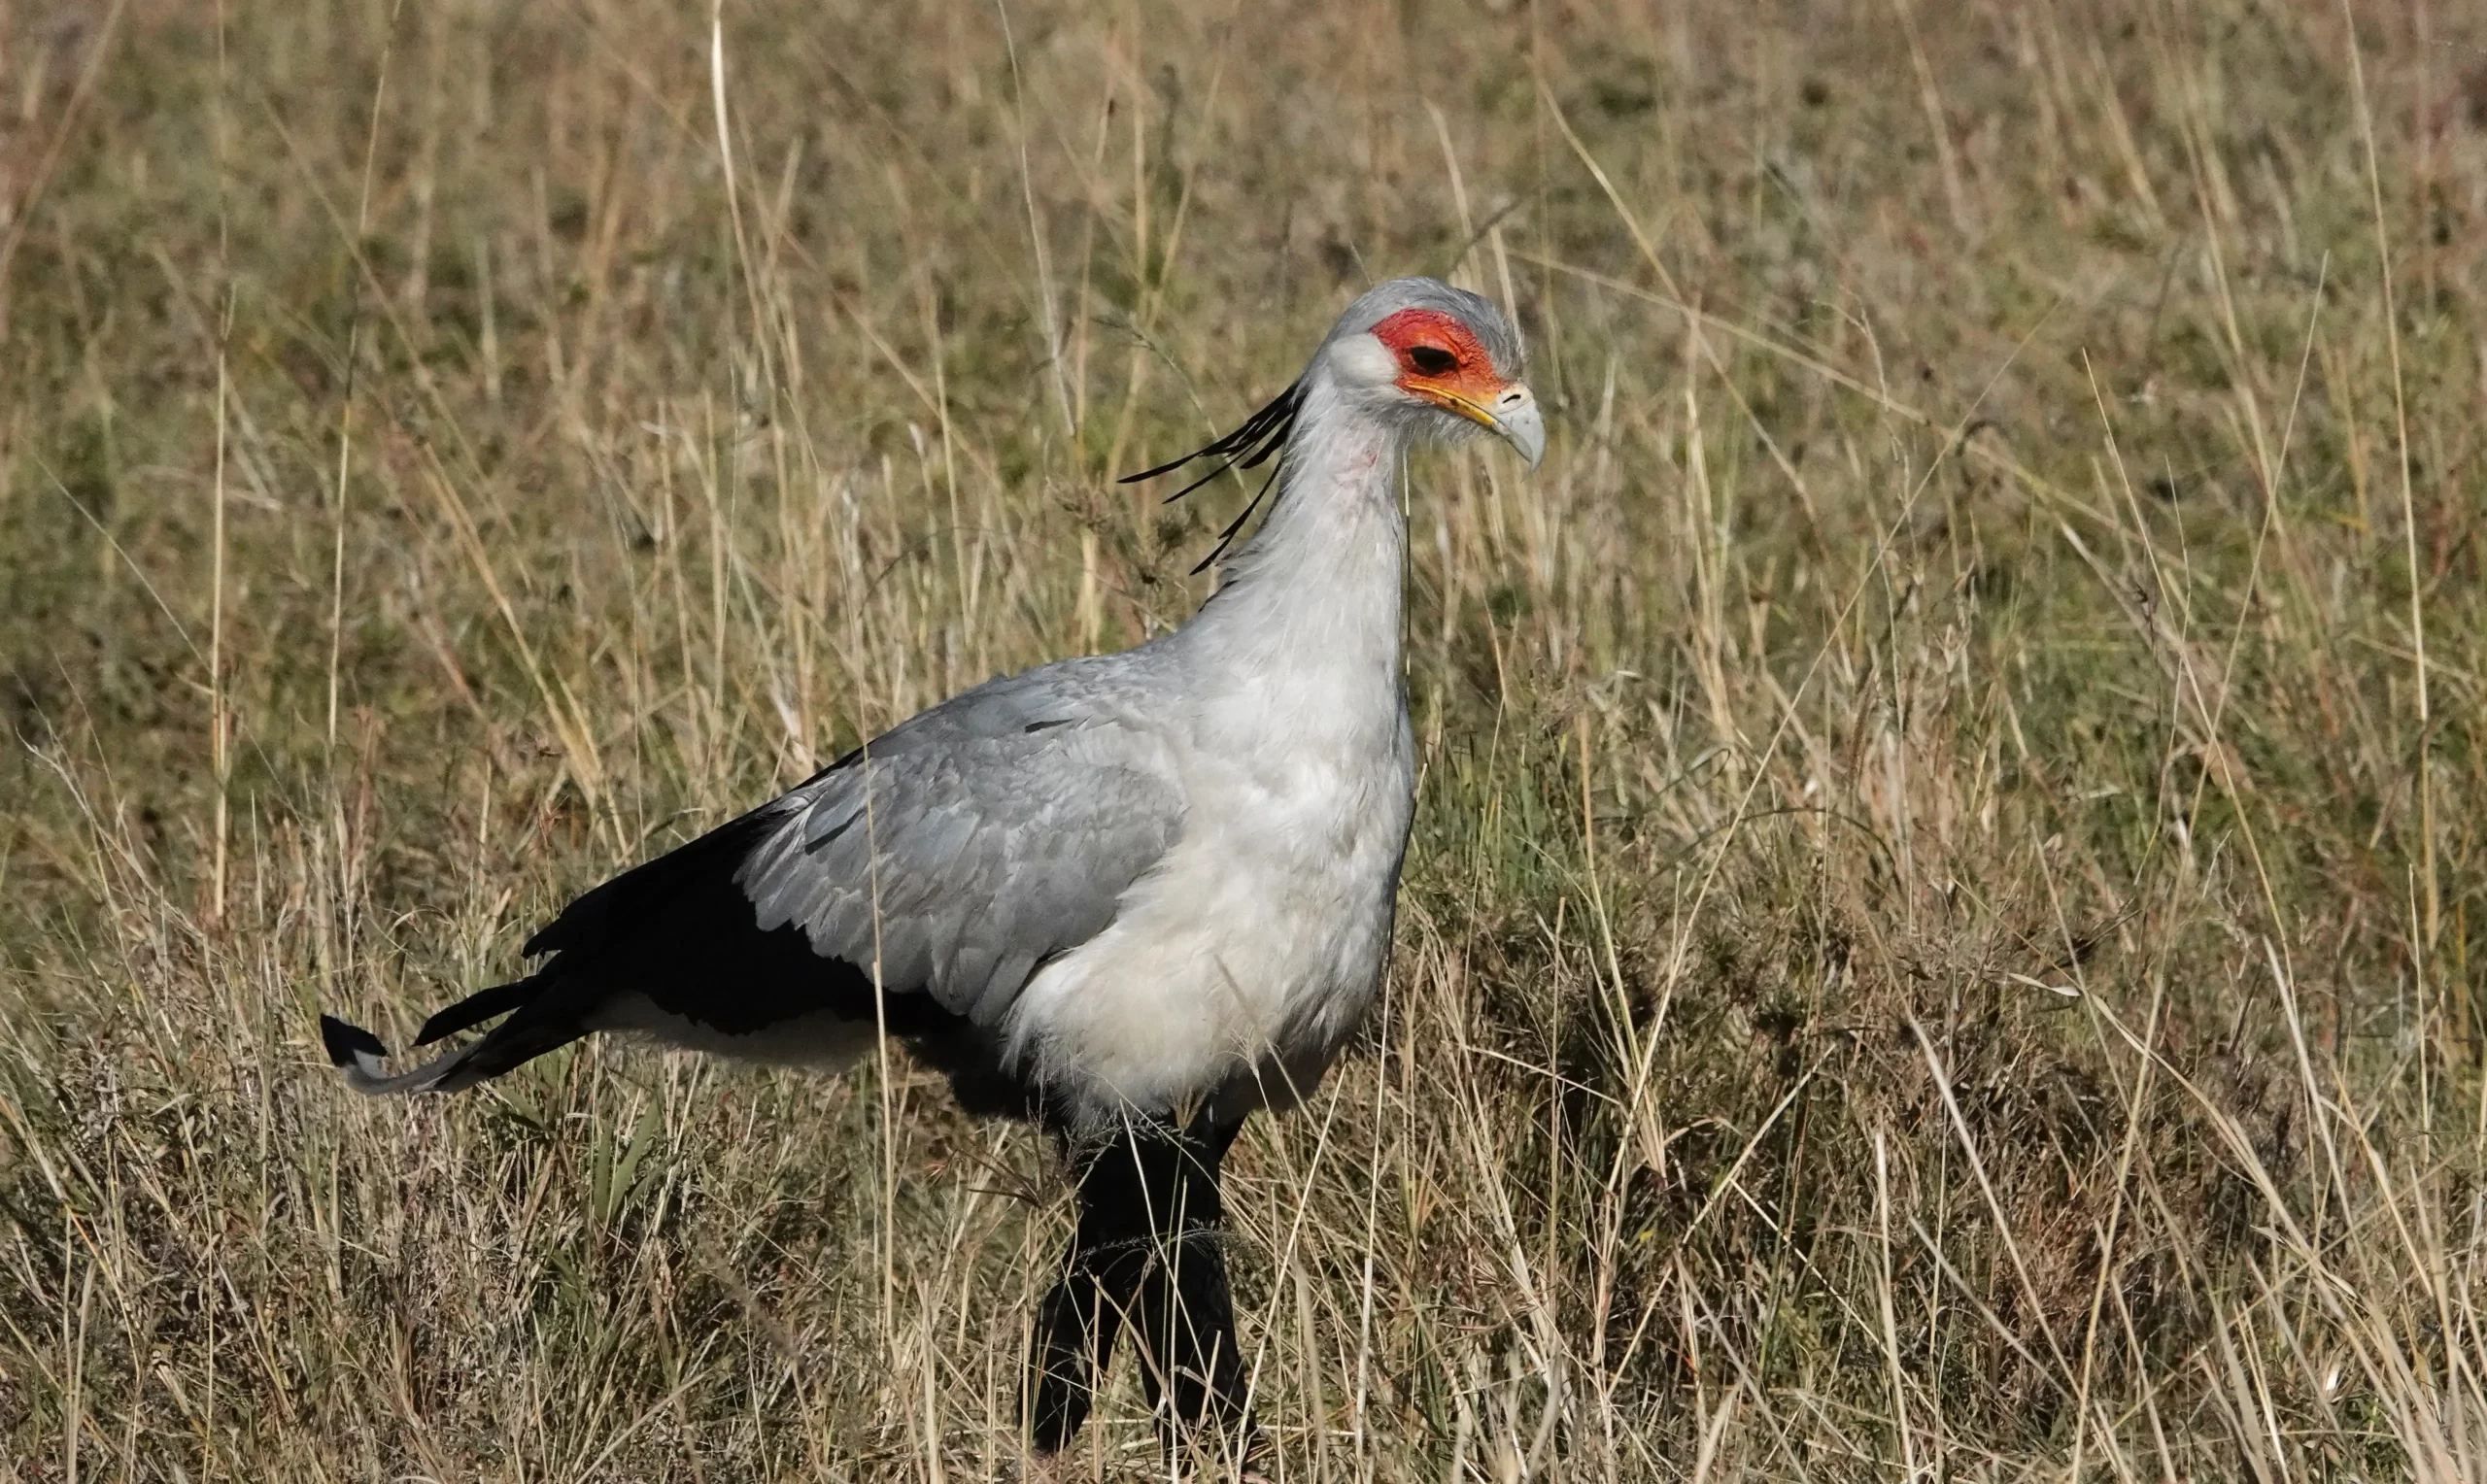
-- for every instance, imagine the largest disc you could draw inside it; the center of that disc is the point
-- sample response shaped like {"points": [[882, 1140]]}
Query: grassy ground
{"points": [[1945, 930]]}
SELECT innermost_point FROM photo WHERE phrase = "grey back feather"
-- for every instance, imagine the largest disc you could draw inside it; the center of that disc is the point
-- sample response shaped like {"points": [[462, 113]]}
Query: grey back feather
{"points": [[968, 845]]}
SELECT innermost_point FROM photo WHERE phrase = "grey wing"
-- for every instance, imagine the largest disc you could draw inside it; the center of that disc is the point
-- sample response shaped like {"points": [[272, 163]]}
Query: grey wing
{"points": [[969, 846]]}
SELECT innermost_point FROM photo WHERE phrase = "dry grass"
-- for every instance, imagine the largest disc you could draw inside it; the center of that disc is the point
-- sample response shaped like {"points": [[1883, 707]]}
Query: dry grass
{"points": [[1945, 926]]}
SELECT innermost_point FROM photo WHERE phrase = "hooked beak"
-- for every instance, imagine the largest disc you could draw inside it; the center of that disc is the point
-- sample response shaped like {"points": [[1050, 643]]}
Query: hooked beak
{"points": [[1512, 416], [1515, 417]]}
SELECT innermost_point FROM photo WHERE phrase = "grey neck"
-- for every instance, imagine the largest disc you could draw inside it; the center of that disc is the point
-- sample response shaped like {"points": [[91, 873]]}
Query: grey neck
{"points": [[1324, 570]]}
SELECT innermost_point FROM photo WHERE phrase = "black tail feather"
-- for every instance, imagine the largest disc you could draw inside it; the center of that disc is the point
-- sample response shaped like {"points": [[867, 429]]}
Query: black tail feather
{"points": [[477, 1008], [512, 1044], [343, 1040], [546, 1023], [680, 931]]}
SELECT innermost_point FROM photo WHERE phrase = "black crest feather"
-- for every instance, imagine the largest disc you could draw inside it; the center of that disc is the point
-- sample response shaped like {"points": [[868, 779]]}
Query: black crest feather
{"points": [[1253, 444]]}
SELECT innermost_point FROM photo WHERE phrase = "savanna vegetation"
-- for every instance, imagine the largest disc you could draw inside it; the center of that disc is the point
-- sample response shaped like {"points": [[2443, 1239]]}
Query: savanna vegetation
{"points": [[1945, 931]]}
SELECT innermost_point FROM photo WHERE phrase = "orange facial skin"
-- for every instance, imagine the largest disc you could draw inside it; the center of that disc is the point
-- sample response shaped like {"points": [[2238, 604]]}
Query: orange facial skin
{"points": [[1441, 362]]}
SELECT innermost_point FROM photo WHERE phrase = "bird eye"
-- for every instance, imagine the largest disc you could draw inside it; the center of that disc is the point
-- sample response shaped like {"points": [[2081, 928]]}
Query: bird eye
{"points": [[1431, 359]]}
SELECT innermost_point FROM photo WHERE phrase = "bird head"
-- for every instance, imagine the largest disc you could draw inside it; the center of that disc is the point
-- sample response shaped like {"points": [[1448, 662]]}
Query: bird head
{"points": [[1434, 362], [1442, 361]]}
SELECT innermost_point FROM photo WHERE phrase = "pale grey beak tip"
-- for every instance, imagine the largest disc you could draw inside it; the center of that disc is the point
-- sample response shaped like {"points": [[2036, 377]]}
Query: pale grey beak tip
{"points": [[1522, 426]]}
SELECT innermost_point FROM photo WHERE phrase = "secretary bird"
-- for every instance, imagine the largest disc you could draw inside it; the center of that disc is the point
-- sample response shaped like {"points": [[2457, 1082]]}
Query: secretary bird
{"points": [[1129, 896]]}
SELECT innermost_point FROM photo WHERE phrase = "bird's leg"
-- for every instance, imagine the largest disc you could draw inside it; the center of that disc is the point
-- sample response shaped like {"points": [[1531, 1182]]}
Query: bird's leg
{"points": [[1123, 1181], [1192, 1368]]}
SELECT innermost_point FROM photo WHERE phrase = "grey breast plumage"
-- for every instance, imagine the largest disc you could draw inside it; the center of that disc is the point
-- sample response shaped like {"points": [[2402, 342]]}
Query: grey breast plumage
{"points": [[968, 845]]}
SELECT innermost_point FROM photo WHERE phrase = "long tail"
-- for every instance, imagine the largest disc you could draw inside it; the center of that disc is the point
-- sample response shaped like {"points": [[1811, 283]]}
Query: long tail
{"points": [[677, 929], [358, 1053], [541, 1026]]}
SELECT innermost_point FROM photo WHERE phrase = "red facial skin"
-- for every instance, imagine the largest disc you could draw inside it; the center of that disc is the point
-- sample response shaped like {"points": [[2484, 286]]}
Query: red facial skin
{"points": [[1468, 388]]}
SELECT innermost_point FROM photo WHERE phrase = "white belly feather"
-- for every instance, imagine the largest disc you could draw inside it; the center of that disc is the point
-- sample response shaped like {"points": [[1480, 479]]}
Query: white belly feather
{"points": [[1237, 968]]}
